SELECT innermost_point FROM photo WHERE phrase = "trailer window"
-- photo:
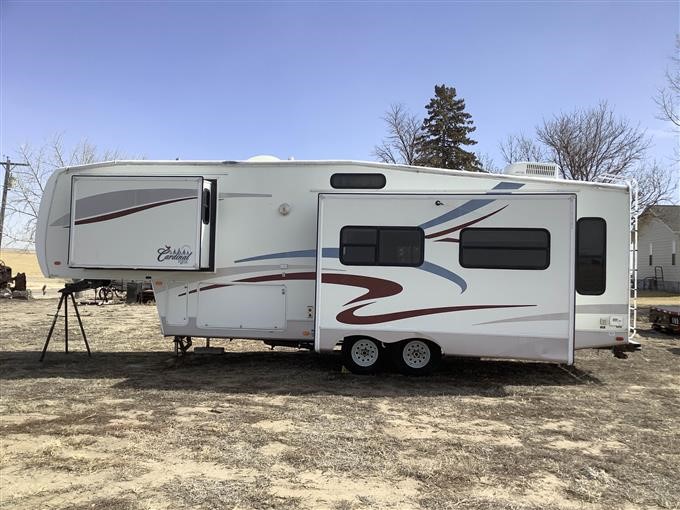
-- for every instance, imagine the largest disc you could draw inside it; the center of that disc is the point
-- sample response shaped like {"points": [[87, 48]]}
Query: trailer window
{"points": [[206, 206], [382, 246], [591, 253], [358, 181], [504, 248]]}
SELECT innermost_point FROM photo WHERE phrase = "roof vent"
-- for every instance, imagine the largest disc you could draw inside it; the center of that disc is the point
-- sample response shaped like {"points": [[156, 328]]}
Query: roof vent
{"points": [[550, 170], [263, 158]]}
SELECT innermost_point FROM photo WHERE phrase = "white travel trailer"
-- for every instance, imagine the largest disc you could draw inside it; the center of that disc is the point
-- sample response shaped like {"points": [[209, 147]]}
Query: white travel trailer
{"points": [[384, 260]]}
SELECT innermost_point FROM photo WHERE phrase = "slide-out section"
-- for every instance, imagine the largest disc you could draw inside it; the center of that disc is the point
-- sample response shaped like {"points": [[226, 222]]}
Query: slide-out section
{"points": [[480, 275], [158, 223]]}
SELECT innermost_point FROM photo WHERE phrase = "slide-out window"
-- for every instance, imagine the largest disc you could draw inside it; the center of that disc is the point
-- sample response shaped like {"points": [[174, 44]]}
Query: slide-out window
{"points": [[381, 246], [504, 248], [591, 256], [205, 206], [358, 181]]}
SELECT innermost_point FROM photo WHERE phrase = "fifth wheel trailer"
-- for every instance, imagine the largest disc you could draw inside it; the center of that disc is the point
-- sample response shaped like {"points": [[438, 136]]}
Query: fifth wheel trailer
{"points": [[382, 260]]}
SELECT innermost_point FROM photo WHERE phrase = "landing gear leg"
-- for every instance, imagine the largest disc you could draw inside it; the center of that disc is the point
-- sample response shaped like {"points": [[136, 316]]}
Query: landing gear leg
{"points": [[182, 345]]}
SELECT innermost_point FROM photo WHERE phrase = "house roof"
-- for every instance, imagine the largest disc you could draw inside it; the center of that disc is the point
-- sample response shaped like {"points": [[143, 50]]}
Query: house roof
{"points": [[669, 214]]}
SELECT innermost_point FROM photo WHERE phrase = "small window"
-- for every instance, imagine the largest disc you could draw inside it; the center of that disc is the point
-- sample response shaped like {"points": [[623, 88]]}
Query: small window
{"points": [[673, 251], [591, 256], [206, 206], [358, 181], [382, 246], [504, 248]]}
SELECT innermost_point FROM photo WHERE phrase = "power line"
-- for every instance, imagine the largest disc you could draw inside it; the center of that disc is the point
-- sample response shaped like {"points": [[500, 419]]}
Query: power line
{"points": [[8, 165]]}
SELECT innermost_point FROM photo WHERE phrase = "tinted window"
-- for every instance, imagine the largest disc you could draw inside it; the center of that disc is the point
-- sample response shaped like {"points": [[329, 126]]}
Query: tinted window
{"points": [[359, 235], [358, 181], [382, 246], [591, 253], [206, 206], [504, 248], [506, 238], [358, 255], [401, 247]]}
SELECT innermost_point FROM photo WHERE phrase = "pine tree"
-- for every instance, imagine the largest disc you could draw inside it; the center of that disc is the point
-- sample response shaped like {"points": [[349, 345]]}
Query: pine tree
{"points": [[445, 131]]}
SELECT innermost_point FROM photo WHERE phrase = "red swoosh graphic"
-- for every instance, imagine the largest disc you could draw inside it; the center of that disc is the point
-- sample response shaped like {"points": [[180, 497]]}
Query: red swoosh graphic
{"points": [[459, 227], [267, 278], [132, 210], [207, 287], [348, 316], [311, 275], [376, 287], [447, 240]]}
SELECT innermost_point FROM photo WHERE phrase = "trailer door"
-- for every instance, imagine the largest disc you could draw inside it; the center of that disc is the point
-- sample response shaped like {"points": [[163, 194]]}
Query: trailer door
{"points": [[129, 222]]}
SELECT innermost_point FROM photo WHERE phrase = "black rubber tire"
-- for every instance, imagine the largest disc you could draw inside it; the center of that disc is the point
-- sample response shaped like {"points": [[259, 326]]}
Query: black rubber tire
{"points": [[374, 350], [105, 293], [397, 354]]}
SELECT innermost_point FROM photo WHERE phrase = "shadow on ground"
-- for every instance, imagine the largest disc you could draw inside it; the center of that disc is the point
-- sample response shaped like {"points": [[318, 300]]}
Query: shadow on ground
{"points": [[284, 372]]}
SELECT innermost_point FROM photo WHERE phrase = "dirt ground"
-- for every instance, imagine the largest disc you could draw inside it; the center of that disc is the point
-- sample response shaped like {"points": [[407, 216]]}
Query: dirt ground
{"points": [[131, 428]]}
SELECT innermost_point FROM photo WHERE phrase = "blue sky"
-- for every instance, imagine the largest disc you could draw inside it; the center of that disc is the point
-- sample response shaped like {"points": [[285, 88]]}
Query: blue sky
{"points": [[228, 80]]}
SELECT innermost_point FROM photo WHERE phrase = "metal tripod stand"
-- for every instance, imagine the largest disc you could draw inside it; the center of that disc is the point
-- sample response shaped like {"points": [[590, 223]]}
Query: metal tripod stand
{"points": [[66, 293]]}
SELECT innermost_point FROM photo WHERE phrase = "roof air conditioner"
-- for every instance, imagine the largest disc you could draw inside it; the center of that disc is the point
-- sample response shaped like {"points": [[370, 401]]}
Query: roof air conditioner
{"points": [[550, 170]]}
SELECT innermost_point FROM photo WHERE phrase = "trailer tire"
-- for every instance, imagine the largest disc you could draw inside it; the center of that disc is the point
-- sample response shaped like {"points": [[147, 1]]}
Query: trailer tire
{"points": [[362, 355], [416, 356]]}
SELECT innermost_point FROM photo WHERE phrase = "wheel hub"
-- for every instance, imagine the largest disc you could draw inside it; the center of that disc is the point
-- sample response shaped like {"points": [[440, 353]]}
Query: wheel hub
{"points": [[416, 354], [365, 353]]}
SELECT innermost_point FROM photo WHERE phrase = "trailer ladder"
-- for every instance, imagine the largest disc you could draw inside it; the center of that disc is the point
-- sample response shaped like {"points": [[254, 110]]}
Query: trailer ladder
{"points": [[633, 256], [633, 268]]}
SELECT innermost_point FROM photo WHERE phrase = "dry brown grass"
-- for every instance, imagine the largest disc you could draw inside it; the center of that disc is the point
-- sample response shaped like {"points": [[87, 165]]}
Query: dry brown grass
{"points": [[25, 261], [132, 429], [647, 298]]}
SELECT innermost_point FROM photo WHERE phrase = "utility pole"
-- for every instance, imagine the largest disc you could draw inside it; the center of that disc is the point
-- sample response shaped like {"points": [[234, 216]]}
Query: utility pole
{"points": [[8, 180]]}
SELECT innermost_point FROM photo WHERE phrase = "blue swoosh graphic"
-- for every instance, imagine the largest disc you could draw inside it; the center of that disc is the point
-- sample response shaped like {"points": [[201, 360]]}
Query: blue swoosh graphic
{"points": [[444, 273], [325, 252], [461, 210], [469, 206], [507, 185]]}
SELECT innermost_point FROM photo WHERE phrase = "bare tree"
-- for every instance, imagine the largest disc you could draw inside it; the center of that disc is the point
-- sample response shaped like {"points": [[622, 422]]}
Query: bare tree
{"points": [[520, 148], [28, 183], [668, 98], [486, 163], [401, 144], [656, 184], [588, 143]]}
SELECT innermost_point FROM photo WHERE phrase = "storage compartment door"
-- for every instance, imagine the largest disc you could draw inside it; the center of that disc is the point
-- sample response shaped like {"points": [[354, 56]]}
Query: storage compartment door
{"points": [[136, 222], [241, 306]]}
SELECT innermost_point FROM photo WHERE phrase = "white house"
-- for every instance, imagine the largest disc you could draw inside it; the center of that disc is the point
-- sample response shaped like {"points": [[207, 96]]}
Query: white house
{"points": [[658, 244]]}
